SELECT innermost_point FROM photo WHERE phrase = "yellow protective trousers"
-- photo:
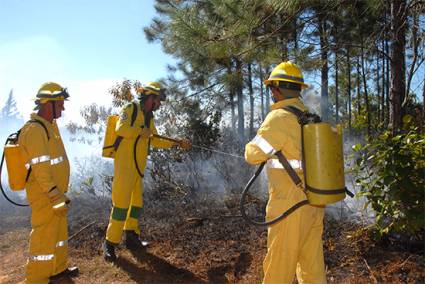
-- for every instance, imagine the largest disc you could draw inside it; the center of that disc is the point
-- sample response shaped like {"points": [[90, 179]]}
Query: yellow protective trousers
{"points": [[127, 185], [127, 190], [48, 247], [294, 245], [44, 153]]}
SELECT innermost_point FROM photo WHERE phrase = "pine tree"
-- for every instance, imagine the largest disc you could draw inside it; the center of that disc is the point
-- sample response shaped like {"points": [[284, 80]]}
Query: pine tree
{"points": [[10, 110]]}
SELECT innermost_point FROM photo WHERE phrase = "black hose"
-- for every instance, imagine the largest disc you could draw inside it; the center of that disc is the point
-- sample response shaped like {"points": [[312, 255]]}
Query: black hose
{"points": [[349, 193], [2, 189], [147, 117], [135, 157], [277, 219]]}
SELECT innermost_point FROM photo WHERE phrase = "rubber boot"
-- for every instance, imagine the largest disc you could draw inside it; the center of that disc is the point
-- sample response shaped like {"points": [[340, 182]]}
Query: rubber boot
{"points": [[132, 241], [70, 272], [109, 252]]}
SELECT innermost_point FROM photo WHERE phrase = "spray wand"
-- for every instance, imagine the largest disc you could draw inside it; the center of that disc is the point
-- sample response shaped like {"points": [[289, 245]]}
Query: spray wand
{"points": [[197, 146]]}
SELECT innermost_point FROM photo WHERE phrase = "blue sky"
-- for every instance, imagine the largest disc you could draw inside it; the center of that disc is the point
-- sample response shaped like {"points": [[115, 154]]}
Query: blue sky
{"points": [[84, 45]]}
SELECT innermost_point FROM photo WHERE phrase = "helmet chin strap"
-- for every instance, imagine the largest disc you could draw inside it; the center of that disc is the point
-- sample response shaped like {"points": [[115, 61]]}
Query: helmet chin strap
{"points": [[286, 94], [54, 109]]}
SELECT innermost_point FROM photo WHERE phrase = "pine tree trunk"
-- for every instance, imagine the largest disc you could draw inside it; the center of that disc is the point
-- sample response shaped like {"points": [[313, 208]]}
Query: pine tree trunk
{"points": [[415, 56], [378, 87], [349, 90], [251, 102], [263, 115], [267, 93], [232, 99], [383, 112], [398, 64], [295, 33], [366, 95], [387, 85], [283, 39], [359, 98], [324, 102], [239, 92], [423, 106], [336, 89]]}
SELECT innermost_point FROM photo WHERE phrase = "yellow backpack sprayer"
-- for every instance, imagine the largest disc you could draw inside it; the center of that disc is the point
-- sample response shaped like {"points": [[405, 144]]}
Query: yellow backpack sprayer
{"points": [[322, 164], [18, 172], [112, 140]]}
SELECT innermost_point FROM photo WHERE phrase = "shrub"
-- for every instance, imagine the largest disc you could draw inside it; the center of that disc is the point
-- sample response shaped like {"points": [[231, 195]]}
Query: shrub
{"points": [[391, 173]]}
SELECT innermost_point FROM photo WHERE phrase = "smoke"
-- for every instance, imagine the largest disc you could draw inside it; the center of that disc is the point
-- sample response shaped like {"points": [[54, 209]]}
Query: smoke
{"points": [[76, 152], [353, 208], [213, 176], [311, 100]]}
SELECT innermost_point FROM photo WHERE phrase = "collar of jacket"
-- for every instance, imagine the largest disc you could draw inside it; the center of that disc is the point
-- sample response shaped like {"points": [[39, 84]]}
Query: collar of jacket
{"points": [[296, 102], [50, 126]]}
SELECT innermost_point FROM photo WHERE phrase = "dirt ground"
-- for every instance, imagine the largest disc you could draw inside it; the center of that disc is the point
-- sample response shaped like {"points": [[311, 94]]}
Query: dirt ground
{"points": [[208, 246]]}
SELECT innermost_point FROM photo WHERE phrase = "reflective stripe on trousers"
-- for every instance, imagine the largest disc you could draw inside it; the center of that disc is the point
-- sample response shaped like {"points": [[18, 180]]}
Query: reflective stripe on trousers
{"points": [[62, 244], [44, 257]]}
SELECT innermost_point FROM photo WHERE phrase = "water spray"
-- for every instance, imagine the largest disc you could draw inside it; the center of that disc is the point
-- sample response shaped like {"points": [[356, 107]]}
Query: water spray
{"points": [[199, 147]]}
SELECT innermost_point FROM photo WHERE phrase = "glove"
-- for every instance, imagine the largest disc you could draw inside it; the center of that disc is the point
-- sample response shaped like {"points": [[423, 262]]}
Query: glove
{"points": [[185, 144], [145, 133], [59, 202]]}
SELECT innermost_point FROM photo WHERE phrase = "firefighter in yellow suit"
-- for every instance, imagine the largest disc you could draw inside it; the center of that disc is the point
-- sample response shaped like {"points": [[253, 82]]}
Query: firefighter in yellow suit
{"points": [[294, 245], [47, 183], [129, 167]]}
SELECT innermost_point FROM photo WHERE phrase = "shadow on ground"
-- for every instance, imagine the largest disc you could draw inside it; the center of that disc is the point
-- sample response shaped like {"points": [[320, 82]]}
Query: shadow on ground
{"points": [[160, 270]]}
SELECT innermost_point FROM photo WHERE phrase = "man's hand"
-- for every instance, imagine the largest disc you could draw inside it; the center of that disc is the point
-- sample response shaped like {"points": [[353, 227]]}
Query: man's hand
{"points": [[59, 202], [145, 133], [185, 144]]}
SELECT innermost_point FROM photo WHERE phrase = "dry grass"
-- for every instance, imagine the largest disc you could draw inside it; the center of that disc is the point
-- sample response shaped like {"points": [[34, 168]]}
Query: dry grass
{"points": [[192, 243]]}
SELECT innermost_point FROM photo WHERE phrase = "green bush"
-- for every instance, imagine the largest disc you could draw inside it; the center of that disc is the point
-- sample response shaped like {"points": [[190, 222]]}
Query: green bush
{"points": [[391, 173]]}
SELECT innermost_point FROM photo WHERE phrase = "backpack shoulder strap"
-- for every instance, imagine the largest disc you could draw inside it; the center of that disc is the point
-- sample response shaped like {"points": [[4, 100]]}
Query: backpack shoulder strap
{"points": [[42, 124], [304, 117], [134, 113], [48, 137]]}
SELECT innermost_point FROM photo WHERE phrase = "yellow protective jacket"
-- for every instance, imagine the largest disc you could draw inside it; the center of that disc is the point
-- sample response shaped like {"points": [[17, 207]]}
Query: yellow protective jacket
{"points": [[280, 131], [130, 134], [294, 245], [45, 154], [127, 185], [47, 157]]}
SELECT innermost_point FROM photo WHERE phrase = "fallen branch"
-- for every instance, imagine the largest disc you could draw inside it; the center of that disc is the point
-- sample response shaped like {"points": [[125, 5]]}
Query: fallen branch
{"points": [[198, 221], [404, 262], [397, 267], [189, 219], [371, 272], [81, 230]]}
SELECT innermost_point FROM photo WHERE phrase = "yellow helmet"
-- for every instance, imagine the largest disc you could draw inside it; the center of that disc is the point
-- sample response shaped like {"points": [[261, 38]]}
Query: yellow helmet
{"points": [[152, 88], [286, 72], [50, 91]]}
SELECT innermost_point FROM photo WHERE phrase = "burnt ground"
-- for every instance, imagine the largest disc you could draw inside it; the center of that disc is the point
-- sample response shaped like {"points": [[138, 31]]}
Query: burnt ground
{"points": [[209, 244]]}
